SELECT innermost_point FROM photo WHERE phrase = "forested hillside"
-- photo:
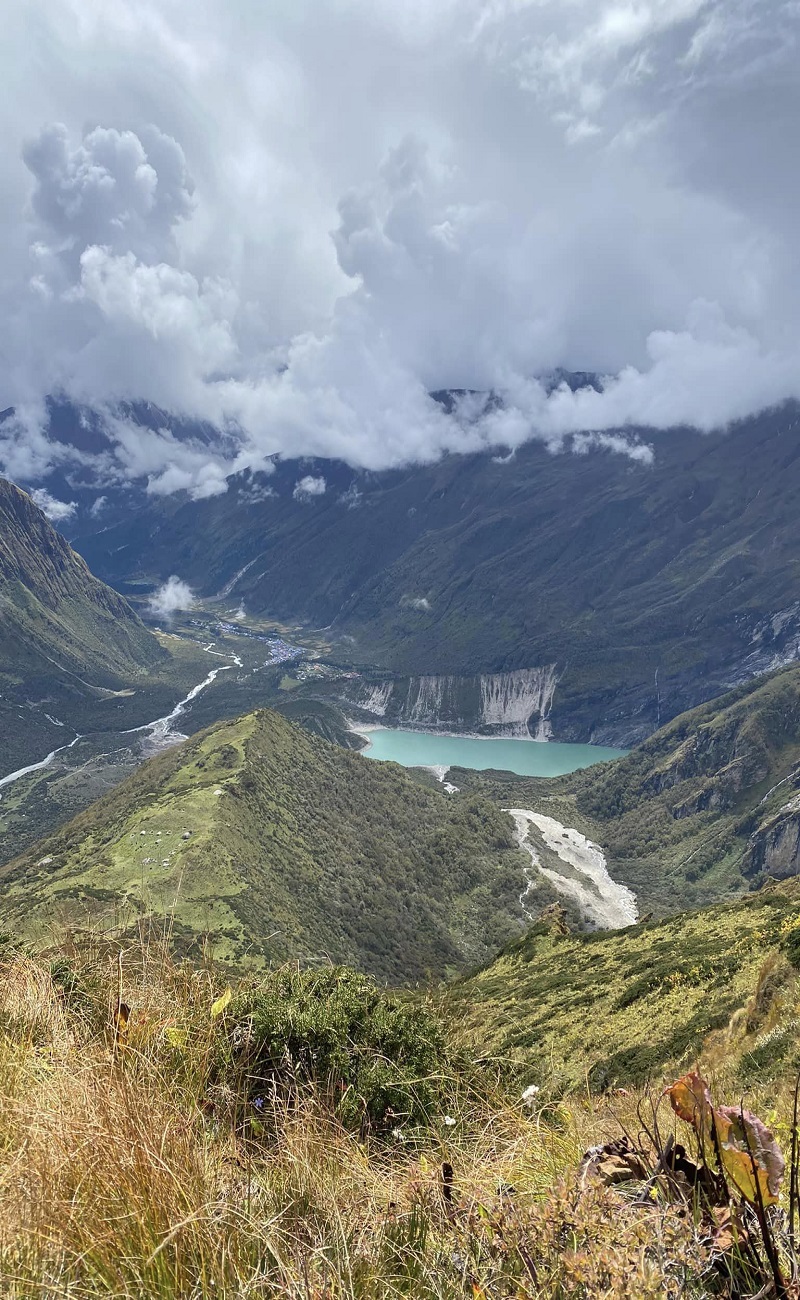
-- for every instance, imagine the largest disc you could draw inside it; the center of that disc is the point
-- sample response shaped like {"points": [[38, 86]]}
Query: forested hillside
{"points": [[706, 808], [268, 843]]}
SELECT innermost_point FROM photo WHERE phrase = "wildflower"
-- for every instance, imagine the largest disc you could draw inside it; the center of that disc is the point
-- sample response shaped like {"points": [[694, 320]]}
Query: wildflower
{"points": [[529, 1095], [448, 1121]]}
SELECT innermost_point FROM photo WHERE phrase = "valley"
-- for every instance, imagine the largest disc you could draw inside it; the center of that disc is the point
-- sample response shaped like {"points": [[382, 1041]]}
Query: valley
{"points": [[387, 866], [688, 838], [262, 843], [39, 796], [296, 670], [400, 650], [626, 591]]}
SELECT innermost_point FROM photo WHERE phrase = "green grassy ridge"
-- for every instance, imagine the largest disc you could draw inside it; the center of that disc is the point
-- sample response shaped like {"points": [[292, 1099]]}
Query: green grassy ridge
{"points": [[308, 851], [321, 719], [618, 1007], [681, 817], [66, 640]]}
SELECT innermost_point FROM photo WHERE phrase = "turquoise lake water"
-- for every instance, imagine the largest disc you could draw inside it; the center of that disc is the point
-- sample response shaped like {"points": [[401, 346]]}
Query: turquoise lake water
{"points": [[525, 757]]}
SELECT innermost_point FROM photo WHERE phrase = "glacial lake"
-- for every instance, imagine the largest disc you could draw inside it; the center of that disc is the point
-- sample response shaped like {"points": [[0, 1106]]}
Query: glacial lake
{"points": [[525, 757]]}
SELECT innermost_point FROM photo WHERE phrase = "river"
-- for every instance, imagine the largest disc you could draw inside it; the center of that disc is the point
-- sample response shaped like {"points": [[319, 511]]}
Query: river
{"points": [[525, 757], [162, 732]]}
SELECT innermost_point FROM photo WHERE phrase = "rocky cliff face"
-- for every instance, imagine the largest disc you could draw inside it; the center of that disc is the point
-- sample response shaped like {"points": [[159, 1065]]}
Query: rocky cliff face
{"points": [[512, 704], [37, 559], [777, 852], [774, 848]]}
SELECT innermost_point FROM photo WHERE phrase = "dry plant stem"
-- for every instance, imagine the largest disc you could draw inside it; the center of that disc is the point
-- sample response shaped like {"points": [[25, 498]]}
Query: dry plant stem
{"points": [[793, 1173], [763, 1222]]}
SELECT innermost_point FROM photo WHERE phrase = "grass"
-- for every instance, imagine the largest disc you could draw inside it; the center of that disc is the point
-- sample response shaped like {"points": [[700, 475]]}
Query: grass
{"points": [[131, 1173], [138, 1160], [616, 1008]]}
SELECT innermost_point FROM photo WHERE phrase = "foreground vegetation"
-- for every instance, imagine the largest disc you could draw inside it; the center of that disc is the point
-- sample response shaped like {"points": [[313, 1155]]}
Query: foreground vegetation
{"points": [[306, 1135], [614, 1008]]}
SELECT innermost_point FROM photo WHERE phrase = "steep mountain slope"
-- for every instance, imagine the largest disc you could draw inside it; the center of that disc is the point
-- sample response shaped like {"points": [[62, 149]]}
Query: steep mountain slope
{"points": [[276, 844], [614, 1008], [66, 640], [651, 587], [707, 807]]}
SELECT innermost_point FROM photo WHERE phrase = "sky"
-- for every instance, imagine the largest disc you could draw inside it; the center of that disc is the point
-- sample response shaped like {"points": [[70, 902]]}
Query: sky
{"points": [[294, 219]]}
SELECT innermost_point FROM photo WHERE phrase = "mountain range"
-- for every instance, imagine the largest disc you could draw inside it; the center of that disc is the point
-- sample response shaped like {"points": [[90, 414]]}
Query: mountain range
{"points": [[646, 587]]}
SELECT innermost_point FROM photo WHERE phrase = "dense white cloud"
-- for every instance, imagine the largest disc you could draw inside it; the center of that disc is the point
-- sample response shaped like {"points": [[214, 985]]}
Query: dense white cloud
{"points": [[110, 189], [309, 486], [171, 597], [296, 221], [56, 511]]}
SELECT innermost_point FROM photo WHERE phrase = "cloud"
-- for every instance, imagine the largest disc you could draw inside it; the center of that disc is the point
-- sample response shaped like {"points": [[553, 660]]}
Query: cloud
{"points": [[172, 596], [351, 498], [112, 188], [57, 511], [506, 188], [308, 487], [252, 494]]}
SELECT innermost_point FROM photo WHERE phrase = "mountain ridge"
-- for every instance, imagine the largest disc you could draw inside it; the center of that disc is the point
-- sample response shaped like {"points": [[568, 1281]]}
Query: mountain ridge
{"points": [[651, 587], [270, 843], [67, 640]]}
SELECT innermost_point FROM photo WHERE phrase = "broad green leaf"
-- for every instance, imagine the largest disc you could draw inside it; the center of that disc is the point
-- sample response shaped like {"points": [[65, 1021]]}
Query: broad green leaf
{"points": [[750, 1156], [221, 1003]]}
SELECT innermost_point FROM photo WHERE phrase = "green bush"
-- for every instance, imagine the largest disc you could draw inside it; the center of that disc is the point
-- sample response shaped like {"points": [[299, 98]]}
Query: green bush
{"points": [[381, 1061], [790, 945]]}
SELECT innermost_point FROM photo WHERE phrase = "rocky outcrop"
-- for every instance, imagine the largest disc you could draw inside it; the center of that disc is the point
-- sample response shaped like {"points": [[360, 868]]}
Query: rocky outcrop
{"points": [[511, 704], [774, 849]]}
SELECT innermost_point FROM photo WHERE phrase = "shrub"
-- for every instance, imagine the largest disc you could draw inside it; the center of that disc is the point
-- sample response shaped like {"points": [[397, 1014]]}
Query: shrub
{"points": [[791, 945], [380, 1060]]}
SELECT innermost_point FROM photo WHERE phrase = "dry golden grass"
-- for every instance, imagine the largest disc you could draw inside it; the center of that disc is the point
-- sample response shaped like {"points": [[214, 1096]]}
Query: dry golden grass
{"points": [[126, 1172]]}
